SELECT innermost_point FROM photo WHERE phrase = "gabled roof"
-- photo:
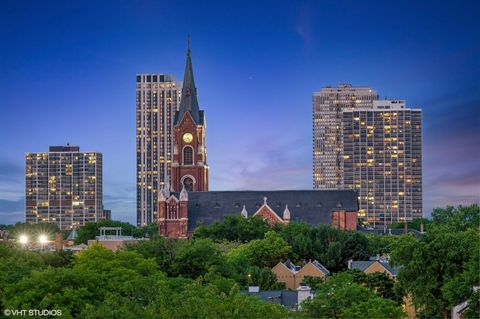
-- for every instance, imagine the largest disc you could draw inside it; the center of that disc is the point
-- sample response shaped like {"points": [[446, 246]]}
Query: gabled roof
{"points": [[272, 212], [320, 267], [172, 197], [364, 265], [291, 266], [310, 206]]}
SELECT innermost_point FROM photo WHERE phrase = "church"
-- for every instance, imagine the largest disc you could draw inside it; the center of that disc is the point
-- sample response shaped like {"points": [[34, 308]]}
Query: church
{"points": [[192, 204]]}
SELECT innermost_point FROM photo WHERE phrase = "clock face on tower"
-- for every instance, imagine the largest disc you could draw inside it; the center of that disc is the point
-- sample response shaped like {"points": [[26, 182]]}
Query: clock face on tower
{"points": [[187, 137]]}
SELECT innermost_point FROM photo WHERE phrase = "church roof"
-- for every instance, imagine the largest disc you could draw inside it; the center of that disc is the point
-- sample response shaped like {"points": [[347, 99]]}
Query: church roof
{"points": [[189, 101], [310, 206]]}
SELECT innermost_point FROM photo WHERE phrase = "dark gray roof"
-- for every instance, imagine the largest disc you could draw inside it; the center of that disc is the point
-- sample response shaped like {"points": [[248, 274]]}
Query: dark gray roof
{"points": [[189, 101], [321, 268], [291, 265], [286, 298], [310, 206], [362, 265]]}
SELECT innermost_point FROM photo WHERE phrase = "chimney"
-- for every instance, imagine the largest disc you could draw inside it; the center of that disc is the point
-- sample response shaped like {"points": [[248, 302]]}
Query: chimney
{"points": [[58, 241], [304, 292], [253, 289]]}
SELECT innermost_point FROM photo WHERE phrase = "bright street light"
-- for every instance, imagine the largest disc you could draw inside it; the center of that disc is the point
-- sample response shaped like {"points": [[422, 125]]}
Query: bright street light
{"points": [[23, 239], [42, 239]]}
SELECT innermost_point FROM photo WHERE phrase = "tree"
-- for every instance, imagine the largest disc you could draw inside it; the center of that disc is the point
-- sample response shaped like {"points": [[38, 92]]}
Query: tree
{"points": [[194, 257], [157, 247], [234, 228], [33, 230], [459, 218], [91, 230], [265, 252], [104, 284], [414, 224], [374, 308], [378, 282], [341, 297], [432, 263]]}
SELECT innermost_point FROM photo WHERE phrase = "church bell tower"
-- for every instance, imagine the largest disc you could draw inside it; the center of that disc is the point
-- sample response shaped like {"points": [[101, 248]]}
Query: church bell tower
{"points": [[189, 167]]}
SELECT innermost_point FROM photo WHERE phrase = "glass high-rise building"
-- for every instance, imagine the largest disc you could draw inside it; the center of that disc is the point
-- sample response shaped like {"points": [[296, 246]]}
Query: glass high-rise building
{"points": [[157, 100], [328, 105], [382, 160], [63, 186]]}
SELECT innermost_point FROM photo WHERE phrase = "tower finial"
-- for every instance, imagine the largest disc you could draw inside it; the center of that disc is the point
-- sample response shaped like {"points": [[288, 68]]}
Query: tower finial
{"points": [[188, 45]]}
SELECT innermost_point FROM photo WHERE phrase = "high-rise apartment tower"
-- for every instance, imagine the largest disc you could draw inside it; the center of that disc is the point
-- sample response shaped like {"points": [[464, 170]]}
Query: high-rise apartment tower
{"points": [[382, 160], [328, 105], [157, 100], [63, 186]]}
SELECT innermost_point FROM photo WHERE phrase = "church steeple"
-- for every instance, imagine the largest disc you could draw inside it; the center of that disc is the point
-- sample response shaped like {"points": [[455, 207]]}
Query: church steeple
{"points": [[189, 101]]}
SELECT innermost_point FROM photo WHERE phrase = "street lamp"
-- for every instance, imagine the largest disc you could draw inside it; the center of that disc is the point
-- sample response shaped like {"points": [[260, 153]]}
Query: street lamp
{"points": [[23, 239], [42, 239]]}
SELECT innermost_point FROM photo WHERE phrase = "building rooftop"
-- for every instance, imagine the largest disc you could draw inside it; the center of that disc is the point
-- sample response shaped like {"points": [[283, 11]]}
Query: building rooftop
{"points": [[363, 265], [68, 148], [286, 298], [310, 206]]}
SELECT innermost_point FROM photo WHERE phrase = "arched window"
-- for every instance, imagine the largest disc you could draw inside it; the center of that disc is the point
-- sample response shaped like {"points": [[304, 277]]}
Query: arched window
{"points": [[188, 183], [188, 155]]}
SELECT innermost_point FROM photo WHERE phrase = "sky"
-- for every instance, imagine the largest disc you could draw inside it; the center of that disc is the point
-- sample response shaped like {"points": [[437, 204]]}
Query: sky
{"points": [[67, 74]]}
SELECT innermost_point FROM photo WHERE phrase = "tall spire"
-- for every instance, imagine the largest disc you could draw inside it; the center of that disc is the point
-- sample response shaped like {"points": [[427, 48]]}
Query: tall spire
{"points": [[189, 102]]}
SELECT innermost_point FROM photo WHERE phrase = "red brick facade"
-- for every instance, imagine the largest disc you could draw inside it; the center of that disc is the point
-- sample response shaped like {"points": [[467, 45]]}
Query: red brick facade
{"points": [[173, 216], [194, 169], [345, 220], [267, 213]]}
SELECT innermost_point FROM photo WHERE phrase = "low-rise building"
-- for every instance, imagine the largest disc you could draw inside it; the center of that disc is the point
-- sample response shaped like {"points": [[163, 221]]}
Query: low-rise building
{"points": [[293, 275], [375, 264], [113, 241], [180, 213], [290, 299]]}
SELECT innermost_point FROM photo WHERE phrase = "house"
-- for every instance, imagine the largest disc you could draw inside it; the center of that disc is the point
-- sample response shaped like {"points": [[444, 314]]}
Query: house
{"points": [[458, 311], [290, 299], [381, 264], [293, 275], [375, 264]]}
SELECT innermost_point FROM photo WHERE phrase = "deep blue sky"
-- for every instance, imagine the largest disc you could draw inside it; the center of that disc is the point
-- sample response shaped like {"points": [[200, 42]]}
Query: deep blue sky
{"points": [[67, 74]]}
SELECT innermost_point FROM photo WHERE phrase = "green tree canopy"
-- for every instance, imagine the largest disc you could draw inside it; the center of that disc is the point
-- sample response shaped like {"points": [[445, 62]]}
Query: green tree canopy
{"points": [[435, 267], [342, 297], [234, 228], [265, 252]]}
